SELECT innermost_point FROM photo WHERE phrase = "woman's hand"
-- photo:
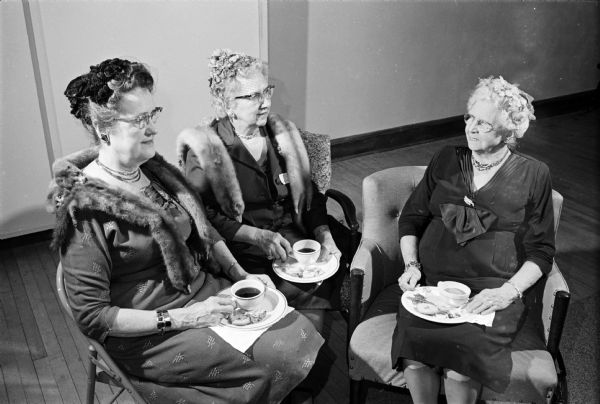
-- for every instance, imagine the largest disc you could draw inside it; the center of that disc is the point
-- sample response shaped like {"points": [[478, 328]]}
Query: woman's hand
{"points": [[264, 279], [408, 280], [324, 237], [272, 244], [490, 300], [202, 314]]}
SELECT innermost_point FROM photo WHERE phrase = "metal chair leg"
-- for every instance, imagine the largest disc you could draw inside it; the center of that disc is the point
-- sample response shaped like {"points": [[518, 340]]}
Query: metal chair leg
{"points": [[91, 380], [357, 391]]}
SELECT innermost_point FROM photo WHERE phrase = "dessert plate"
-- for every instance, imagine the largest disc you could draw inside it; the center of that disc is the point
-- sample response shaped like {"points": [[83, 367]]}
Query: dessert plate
{"points": [[274, 303]]}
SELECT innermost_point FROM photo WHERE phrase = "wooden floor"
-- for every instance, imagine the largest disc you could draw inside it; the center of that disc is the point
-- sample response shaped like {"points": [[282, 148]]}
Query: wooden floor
{"points": [[41, 351]]}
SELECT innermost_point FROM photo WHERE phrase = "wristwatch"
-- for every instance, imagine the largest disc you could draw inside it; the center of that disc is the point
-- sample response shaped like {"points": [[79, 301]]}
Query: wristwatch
{"points": [[163, 321]]}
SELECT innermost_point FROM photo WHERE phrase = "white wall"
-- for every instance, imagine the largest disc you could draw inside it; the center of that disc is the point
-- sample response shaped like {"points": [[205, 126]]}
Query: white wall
{"points": [[351, 67], [174, 38], [24, 163]]}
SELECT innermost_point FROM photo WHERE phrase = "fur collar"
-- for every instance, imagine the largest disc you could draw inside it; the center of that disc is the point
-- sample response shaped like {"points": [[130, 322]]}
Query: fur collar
{"points": [[73, 197], [220, 172]]}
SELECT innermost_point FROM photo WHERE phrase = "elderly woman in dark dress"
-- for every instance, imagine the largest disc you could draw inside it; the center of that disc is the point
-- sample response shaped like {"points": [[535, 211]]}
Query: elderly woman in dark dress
{"points": [[482, 215], [259, 195], [143, 266]]}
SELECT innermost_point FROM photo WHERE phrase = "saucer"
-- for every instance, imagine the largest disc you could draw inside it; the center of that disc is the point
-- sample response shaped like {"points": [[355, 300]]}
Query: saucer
{"points": [[293, 271], [274, 303]]}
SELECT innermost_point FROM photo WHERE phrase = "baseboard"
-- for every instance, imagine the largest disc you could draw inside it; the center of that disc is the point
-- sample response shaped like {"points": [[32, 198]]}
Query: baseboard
{"points": [[26, 239], [410, 135]]}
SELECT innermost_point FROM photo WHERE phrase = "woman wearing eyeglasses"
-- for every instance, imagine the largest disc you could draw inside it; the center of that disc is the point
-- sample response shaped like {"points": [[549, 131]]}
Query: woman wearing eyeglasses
{"points": [[259, 195], [482, 216], [142, 264]]}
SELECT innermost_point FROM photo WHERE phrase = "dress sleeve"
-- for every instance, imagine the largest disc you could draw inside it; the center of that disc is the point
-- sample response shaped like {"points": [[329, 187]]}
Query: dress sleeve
{"points": [[317, 215], [416, 215], [224, 225], [87, 274], [539, 236]]}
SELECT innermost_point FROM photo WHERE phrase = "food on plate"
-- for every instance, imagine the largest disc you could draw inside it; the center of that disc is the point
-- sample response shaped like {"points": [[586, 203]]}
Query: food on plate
{"points": [[241, 317], [302, 271], [432, 305], [426, 308]]}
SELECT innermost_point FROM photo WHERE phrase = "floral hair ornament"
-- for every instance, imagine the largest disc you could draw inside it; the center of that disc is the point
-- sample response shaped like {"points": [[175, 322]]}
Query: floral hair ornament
{"points": [[225, 64], [515, 105], [97, 86]]}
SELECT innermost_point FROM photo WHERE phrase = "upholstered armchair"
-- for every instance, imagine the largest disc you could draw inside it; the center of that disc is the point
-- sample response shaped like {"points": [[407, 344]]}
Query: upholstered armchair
{"points": [[537, 375]]}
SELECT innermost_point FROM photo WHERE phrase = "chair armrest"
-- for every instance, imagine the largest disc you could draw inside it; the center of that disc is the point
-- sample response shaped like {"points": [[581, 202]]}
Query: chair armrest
{"points": [[559, 315], [347, 207], [368, 276], [555, 302], [356, 286]]}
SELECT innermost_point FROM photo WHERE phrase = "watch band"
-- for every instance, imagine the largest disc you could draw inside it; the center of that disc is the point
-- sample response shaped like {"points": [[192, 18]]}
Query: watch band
{"points": [[163, 321]]}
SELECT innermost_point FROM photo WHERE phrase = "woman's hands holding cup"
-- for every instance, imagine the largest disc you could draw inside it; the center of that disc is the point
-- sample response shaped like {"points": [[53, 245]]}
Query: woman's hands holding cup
{"points": [[202, 314]]}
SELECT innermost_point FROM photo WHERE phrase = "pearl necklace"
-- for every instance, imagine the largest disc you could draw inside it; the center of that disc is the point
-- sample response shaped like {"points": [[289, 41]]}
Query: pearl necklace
{"points": [[487, 166], [125, 176], [248, 137]]}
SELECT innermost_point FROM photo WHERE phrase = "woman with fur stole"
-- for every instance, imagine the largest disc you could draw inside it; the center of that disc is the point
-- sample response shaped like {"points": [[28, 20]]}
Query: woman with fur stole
{"points": [[143, 266], [258, 191]]}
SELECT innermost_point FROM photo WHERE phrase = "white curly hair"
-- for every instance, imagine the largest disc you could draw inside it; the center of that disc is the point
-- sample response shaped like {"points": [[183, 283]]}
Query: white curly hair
{"points": [[224, 67], [514, 106]]}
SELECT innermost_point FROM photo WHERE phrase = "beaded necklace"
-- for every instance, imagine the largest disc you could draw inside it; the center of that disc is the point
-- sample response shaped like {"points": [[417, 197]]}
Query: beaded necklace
{"points": [[125, 176], [487, 166]]}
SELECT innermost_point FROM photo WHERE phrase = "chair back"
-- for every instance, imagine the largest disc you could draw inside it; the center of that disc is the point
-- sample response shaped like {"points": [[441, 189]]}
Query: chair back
{"points": [[318, 148], [110, 371], [384, 194], [60, 288]]}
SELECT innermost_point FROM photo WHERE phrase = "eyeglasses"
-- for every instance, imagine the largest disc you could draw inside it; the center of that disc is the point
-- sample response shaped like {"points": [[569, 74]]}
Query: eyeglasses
{"points": [[142, 120], [482, 126], [259, 96]]}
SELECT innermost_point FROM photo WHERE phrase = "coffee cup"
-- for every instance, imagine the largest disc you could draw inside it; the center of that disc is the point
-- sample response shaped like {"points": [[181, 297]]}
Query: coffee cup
{"points": [[248, 293], [307, 251], [456, 293]]}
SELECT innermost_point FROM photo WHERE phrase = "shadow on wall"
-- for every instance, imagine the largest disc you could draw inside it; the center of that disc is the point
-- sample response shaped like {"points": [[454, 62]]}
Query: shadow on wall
{"points": [[26, 222], [288, 61]]}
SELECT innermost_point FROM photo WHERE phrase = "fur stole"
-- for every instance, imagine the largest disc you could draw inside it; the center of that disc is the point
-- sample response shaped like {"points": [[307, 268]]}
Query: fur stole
{"points": [[73, 197], [220, 172], [216, 163]]}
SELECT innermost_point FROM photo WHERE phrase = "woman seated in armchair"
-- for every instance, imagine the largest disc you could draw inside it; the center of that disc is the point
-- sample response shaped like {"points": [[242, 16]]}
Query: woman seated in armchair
{"points": [[482, 216], [142, 264], [259, 195]]}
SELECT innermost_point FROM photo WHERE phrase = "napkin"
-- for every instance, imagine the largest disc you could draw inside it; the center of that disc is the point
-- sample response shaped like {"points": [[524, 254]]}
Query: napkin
{"points": [[483, 319], [242, 339]]}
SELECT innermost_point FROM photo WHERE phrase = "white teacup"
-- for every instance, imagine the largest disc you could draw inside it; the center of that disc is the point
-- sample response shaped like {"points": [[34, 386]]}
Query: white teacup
{"points": [[307, 251], [456, 293], [248, 293]]}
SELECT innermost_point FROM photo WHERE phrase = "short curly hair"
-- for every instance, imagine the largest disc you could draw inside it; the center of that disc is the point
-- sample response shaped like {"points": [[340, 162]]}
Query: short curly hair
{"points": [[94, 96], [514, 106], [224, 68]]}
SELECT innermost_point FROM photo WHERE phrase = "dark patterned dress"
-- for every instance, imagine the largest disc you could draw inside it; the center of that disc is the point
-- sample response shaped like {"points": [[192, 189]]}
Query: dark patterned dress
{"points": [[112, 264], [481, 244]]}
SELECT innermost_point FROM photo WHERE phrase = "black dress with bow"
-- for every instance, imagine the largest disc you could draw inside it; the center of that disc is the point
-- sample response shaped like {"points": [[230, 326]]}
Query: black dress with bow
{"points": [[480, 238]]}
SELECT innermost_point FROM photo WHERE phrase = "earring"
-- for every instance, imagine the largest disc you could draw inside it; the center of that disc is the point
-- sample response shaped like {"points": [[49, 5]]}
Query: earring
{"points": [[232, 116], [105, 139]]}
